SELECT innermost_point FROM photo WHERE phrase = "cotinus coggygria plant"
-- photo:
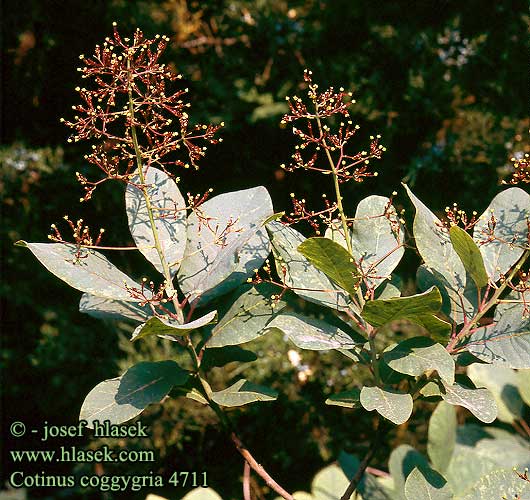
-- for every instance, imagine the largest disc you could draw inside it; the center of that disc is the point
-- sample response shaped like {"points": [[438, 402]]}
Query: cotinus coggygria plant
{"points": [[470, 314]]}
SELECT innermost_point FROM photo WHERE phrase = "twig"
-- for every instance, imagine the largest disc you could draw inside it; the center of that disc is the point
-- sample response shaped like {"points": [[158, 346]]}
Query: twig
{"points": [[259, 469], [525, 426], [376, 472], [246, 481], [366, 460], [489, 304]]}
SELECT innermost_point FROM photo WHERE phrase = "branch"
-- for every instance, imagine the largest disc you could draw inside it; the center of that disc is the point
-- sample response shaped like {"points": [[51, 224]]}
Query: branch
{"points": [[251, 461], [466, 330], [365, 462], [246, 481]]}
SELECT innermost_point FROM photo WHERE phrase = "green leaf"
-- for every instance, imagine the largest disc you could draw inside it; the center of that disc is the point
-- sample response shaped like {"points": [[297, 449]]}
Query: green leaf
{"points": [[403, 460], [333, 260], [314, 334], [369, 487], [376, 237], [120, 399], [470, 255], [431, 390], [194, 394], [523, 384], [507, 452], [91, 272], [502, 383], [467, 467], [101, 308], [194, 389], [329, 483], [347, 399], [389, 290], [247, 318], [169, 213], [503, 248], [168, 328], [298, 273], [201, 494], [443, 267], [393, 405], [419, 309], [417, 355], [226, 243], [457, 303], [480, 402], [498, 484], [242, 393], [275, 216], [221, 356], [488, 449], [442, 436], [506, 342], [427, 484]]}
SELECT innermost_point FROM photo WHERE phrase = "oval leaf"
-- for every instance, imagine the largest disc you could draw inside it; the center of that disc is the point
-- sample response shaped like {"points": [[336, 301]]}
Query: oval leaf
{"points": [[502, 246], [89, 272], [419, 309], [169, 214], [297, 272], [247, 318], [480, 402], [376, 238], [120, 399], [242, 393], [417, 355], [314, 334], [523, 384], [201, 494], [221, 356], [170, 328], [347, 399], [333, 260], [101, 308], [502, 383], [226, 243], [442, 436], [393, 405], [427, 484], [443, 265], [403, 460], [498, 484], [506, 342], [469, 254]]}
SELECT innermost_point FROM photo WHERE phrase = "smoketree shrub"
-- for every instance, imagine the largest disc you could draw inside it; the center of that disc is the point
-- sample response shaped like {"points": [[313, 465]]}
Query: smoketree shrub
{"points": [[470, 311]]}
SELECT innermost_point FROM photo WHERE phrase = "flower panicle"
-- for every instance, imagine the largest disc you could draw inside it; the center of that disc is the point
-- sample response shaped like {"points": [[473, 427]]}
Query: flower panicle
{"points": [[455, 216], [133, 112], [317, 136], [81, 234], [521, 170]]}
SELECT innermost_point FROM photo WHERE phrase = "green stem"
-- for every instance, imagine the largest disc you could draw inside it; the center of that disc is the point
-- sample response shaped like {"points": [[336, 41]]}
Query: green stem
{"points": [[491, 302], [375, 361], [340, 207], [170, 291]]}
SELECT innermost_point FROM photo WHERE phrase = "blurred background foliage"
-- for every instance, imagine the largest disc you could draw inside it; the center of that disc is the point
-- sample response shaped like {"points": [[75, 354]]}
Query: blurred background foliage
{"points": [[446, 85]]}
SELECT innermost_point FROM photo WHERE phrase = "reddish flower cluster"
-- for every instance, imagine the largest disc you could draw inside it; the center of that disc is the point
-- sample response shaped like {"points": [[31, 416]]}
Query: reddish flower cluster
{"points": [[521, 170], [130, 113], [458, 217], [318, 136], [313, 218], [81, 236], [81, 233]]}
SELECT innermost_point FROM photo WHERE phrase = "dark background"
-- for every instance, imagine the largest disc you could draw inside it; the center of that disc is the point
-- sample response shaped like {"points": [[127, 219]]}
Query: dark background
{"points": [[444, 82]]}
